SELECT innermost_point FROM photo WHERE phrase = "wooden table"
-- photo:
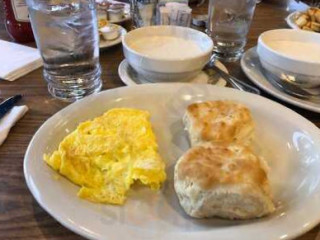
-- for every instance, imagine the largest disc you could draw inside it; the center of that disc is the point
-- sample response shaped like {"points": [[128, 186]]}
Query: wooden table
{"points": [[20, 215]]}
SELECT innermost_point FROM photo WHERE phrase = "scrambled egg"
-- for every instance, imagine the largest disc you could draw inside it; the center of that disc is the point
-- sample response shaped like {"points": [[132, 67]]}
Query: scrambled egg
{"points": [[107, 155]]}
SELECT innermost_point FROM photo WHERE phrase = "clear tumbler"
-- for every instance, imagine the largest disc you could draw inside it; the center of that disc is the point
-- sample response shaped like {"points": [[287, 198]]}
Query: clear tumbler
{"points": [[228, 25], [143, 12], [66, 34]]}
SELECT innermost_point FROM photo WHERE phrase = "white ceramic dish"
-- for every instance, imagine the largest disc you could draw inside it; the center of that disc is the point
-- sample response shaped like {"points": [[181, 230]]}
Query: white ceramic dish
{"points": [[106, 44], [305, 73], [292, 17], [110, 32], [157, 69], [126, 16], [251, 66], [291, 145], [130, 77]]}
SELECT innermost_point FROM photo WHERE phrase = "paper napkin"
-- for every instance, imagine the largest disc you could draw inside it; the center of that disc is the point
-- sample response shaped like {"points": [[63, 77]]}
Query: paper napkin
{"points": [[17, 60], [9, 120]]}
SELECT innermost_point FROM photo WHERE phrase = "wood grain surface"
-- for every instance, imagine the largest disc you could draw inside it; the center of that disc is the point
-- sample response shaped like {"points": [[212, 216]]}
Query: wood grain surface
{"points": [[20, 216]]}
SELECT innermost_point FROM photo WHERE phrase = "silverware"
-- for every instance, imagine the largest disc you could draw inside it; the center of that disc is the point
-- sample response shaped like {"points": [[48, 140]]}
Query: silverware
{"points": [[291, 89], [8, 104], [236, 83]]}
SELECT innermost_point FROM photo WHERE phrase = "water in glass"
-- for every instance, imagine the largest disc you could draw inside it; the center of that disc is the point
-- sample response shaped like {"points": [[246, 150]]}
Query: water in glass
{"points": [[66, 33], [228, 26], [143, 12]]}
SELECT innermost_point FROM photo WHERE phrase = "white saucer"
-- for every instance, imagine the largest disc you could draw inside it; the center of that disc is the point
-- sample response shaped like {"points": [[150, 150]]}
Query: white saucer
{"points": [[106, 44], [250, 65], [130, 77]]}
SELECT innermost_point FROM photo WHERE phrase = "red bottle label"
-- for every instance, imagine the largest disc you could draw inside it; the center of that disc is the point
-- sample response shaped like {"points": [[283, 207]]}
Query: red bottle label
{"points": [[20, 10]]}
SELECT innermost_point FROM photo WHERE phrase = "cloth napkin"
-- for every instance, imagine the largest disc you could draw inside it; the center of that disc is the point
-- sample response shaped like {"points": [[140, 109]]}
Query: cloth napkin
{"points": [[10, 119], [17, 60]]}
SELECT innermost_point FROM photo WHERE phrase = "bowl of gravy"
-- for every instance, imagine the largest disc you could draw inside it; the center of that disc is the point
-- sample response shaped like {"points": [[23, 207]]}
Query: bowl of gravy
{"points": [[291, 55], [167, 53]]}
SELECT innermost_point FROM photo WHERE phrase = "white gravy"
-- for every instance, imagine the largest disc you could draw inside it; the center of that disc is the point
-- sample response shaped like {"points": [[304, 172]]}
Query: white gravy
{"points": [[305, 51], [166, 47]]}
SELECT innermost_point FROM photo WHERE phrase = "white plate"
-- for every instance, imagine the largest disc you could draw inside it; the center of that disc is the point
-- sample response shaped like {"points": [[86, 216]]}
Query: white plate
{"points": [[106, 44], [291, 19], [289, 142], [130, 77], [250, 64]]}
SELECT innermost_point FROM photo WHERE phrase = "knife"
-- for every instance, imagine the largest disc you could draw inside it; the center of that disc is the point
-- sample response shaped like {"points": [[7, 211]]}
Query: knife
{"points": [[8, 104]]}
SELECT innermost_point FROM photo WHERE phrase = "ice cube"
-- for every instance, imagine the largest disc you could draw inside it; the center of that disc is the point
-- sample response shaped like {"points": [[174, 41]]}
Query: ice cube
{"points": [[229, 15]]}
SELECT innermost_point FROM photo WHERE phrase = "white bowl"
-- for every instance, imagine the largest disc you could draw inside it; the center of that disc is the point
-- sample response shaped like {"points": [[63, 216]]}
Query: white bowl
{"points": [[296, 67], [110, 32], [167, 69]]}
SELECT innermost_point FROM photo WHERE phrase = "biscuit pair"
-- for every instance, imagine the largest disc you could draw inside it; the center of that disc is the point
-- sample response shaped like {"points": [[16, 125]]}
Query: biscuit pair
{"points": [[220, 175]]}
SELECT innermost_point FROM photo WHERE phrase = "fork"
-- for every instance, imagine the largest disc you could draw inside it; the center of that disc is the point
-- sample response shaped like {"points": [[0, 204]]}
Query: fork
{"points": [[236, 83]]}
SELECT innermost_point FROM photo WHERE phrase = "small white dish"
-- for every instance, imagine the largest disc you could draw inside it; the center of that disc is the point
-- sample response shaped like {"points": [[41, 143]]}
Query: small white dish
{"points": [[130, 77], [126, 15], [115, 15], [291, 146], [251, 66], [291, 53], [161, 60], [106, 44], [110, 32]]}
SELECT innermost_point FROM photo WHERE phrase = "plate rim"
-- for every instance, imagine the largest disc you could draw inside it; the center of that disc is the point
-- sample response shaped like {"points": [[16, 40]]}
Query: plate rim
{"points": [[73, 227], [273, 91]]}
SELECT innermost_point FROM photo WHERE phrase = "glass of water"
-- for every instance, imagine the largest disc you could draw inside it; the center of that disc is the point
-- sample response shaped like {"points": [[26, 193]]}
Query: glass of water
{"points": [[228, 25], [143, 12], [66, 34]]}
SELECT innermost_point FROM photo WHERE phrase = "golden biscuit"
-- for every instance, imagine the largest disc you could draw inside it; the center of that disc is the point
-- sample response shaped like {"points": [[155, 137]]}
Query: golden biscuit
{"points": [[219, 121], [224, 180]]}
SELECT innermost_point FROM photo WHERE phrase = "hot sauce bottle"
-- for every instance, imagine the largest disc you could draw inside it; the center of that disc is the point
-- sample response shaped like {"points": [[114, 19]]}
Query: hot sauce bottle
{"points": [[17, 20]]}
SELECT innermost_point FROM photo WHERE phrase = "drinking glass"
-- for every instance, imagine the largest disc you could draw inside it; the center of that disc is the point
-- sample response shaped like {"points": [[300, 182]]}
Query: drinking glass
{"points": [[228, 25], [143, 12], [66, 34]]}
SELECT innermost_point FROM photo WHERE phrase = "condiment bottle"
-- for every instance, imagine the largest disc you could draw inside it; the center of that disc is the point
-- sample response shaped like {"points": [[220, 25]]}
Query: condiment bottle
{"points": [[17, 20]]}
